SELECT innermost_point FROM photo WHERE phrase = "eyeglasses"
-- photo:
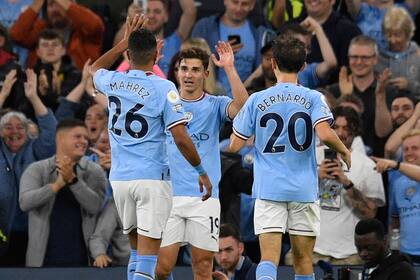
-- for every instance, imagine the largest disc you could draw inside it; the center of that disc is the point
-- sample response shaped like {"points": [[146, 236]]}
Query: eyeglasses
{"points": [[361, 57]]}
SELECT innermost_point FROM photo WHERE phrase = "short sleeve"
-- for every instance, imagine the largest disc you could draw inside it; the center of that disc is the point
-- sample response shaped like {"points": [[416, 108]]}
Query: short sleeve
{"points": [[173, 112], [320, 111], [224, 102], [244, 122], [101, 78]]}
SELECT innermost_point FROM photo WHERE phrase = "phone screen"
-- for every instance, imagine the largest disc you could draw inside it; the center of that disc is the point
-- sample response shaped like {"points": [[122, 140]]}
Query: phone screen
{"points": [[235, 38]]}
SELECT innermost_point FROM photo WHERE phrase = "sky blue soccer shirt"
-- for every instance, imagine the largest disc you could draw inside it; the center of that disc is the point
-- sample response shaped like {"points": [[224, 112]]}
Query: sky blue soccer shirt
{"points": [[141, 106], [205, 116], [283, 118]]}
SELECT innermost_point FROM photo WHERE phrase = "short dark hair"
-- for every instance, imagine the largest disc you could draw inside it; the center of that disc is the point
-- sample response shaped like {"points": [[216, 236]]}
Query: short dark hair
{"points": [[50, 34], [367, 226], [289, 53], [142, 46], [69, 123], [195, 53], [229, 230], [403, 93], [290, 29], [353, 119]]}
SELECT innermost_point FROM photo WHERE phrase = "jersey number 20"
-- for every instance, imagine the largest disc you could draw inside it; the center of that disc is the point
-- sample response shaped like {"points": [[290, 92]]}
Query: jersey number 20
{"points": [[130, 117], [270, 148]]}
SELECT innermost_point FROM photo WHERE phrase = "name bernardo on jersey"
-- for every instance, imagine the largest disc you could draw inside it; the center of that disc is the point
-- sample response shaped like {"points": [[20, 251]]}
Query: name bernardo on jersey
{"points": [[282, 98], [136, 88]]}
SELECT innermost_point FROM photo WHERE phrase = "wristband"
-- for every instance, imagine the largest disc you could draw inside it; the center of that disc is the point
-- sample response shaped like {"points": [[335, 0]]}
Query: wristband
{"points": [[349, 186], [397, 167], [200, 170]]}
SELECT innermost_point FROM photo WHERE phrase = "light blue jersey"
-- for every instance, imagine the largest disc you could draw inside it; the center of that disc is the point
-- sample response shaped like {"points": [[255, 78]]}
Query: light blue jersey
{"points": [[283, 118], [205, 117], [141, 106]]}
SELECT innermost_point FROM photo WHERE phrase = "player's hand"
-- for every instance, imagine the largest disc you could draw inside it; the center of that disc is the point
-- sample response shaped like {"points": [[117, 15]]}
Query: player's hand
{"points": [[226, 56], [218, 275], [102, 261], [203, 180], [383, 164], [132, 24], [8, 83], [345, 81], [30, 85], [310, 24], [325, 169]]}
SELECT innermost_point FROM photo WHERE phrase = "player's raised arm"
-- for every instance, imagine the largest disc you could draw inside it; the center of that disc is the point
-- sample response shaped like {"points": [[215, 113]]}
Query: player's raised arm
{"points": [[188, 150], [328, 136], [227, 62], [108, 59]]}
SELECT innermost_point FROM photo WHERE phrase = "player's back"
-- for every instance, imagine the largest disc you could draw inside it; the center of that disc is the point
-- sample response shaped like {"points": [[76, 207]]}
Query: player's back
{"points": [[140, 106], [282, 119]]}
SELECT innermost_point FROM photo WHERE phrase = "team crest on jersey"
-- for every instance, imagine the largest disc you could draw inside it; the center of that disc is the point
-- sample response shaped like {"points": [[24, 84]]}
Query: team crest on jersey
{"points": [[410, 192], [188, 116], [172, 96]]}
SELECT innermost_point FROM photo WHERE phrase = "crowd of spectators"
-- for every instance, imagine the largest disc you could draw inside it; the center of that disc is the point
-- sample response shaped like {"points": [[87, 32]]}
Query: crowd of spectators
{"points": [[55, 153]]}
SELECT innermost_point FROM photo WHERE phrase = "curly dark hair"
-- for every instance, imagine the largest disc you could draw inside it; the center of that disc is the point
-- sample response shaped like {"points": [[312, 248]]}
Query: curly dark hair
{"points": [[353, 119]]}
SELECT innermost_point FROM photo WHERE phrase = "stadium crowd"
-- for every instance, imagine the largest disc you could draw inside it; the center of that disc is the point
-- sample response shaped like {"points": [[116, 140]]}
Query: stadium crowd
{"points": [[56, 203]]}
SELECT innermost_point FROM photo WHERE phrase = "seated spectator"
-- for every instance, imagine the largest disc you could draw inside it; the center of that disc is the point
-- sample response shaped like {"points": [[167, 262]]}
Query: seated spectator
{"points": [[314, 72], [369, 16], [380, 263], [81, 27], [404, 198], [57, 76], [338, 29], [345, 196], [233, 264], [393, 148], [234, 26], [65, 187], [401, 55], [17, 152], [363, 83]]}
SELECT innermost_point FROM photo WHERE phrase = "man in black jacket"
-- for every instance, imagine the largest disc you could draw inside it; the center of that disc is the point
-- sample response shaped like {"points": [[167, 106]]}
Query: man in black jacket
{"points": [[380, 263], [234, 265]]}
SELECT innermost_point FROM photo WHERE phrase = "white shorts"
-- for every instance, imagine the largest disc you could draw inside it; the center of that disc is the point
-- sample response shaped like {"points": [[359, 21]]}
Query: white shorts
{"points": [[297, 218], [144, 205], [195, 222]]}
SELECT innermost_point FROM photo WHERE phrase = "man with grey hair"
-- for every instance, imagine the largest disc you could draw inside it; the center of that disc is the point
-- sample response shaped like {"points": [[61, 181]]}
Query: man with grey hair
{"points": [[17, 151]]}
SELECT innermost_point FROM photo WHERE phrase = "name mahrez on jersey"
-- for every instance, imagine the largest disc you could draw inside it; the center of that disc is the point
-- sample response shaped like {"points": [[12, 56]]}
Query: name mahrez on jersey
{"points": [[140, 90], [282, 98]]}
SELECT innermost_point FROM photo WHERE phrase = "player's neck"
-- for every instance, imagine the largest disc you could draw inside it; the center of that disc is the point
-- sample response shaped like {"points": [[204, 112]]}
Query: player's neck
{"points": [[144, 68], [283, 77], [188, 95]]}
